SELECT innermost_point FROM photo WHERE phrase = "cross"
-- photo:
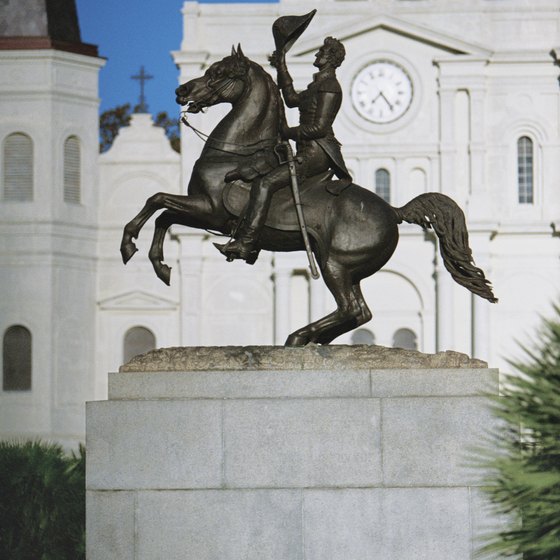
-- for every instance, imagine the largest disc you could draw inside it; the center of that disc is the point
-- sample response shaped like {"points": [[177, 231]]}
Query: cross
{"points": [[142, 77]]}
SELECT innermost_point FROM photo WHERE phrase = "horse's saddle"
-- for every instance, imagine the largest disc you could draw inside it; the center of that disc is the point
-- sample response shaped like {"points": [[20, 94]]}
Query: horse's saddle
{"points": [[282, 214]]}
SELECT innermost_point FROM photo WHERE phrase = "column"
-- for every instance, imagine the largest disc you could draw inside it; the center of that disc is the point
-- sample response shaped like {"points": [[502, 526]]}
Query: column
{"points": [[190, 272], [445, 339], [481, 333], [447, 146], [282, 276], [316, 299], [479, 203]]}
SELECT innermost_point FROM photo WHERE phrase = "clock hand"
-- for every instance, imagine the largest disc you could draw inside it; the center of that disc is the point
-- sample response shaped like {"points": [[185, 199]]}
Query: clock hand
{"points": [[388, 102], [376, 98]]}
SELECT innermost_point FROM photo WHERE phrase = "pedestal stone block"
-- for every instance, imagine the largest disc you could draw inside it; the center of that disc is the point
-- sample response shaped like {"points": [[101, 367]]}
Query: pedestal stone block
{"points": [[110, 524], [301, 443], [426, 439], [387, 523], [318, 453], [142, 444], [224, 524]]}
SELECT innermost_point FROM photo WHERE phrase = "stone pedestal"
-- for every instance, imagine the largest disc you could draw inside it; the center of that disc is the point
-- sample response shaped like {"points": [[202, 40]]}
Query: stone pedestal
{"points": [[288, 454]]}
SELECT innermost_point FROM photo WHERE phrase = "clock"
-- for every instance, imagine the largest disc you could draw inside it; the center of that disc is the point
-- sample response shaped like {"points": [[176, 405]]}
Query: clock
{"points": [[382, 92]]}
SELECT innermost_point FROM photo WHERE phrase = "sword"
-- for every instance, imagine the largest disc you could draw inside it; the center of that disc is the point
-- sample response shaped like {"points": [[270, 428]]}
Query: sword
{"points": [[299, 210]]}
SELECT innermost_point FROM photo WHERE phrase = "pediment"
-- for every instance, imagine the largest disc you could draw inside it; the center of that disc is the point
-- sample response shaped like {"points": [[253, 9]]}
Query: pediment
{"points": [[363, 26], [136, 300]]}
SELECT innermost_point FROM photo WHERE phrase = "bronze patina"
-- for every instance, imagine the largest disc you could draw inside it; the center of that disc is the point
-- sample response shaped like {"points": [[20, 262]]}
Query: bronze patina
{"points": [[240, 186]]}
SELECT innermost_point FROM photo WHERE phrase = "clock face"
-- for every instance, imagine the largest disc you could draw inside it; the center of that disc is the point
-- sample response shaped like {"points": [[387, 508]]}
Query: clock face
{"points": [[382, 92]]}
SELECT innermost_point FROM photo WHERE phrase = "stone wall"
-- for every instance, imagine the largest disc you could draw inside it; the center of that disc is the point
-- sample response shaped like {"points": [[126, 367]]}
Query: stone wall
{"points": [[336, 463]]}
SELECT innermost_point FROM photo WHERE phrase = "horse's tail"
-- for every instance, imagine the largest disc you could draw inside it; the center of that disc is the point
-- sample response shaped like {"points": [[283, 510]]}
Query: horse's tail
{"points": [[438, 211]]}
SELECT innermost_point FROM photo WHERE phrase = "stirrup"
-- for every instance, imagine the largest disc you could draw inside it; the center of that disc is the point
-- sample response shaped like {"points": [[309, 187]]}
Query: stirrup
{"points": [[248, 255]]}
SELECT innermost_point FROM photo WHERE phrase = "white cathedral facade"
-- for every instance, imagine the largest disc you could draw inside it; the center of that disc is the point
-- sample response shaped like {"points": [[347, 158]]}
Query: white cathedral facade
{"points": [[481, 123]]}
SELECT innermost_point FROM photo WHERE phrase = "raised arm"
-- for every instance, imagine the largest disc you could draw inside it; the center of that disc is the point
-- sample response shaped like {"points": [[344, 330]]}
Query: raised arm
{"points": [[285, 82]]}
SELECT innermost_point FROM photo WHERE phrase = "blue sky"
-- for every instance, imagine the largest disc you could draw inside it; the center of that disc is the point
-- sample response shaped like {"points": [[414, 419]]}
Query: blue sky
{"points": [[131, 34]]}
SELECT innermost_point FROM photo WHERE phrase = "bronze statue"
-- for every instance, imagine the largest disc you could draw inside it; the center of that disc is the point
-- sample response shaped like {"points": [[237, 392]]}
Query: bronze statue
{"points": [[236, 187], [317, 148]]}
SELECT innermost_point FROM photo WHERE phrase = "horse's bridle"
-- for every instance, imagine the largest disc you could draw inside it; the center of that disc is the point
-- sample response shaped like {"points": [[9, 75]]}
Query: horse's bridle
{"points": [[251, 148], [214, 91]]}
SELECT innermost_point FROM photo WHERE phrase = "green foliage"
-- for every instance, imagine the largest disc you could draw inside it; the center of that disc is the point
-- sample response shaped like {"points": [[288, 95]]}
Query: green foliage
{"points": [[42, 502], [171, 127], [111, 121], [525, 473]]}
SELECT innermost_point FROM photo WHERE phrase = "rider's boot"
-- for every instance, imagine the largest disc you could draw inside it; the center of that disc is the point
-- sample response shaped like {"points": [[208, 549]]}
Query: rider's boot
{"points": [[244, 247]]}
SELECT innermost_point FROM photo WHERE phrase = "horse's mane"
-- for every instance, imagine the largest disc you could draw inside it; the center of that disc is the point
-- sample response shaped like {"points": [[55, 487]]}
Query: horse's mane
{"points": [[274, 91], [271, 83]]}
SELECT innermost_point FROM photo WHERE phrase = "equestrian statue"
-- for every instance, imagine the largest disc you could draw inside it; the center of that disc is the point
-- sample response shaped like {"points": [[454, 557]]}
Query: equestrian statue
{"points": [[248, 184]]}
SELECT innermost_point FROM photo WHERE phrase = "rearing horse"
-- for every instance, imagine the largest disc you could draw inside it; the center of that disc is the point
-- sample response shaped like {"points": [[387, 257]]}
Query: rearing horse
{"points": [[353, 234]]}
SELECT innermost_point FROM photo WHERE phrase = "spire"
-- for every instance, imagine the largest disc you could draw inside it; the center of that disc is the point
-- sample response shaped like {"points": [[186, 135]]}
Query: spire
{"points": [[41, 24], [142, 77]]}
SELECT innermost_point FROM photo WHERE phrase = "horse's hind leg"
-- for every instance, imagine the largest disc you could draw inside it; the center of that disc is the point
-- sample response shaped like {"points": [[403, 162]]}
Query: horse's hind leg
{"points": [[351, 311]]}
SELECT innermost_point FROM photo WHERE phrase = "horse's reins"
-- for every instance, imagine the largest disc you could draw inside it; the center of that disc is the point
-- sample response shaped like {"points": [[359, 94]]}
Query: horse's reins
{"points": [[206, 137], [290, 160]]}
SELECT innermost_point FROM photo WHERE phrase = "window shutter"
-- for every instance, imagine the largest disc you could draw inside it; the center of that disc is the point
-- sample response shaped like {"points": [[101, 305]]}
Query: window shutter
{"points": [[383, 184], [525, 170], [16, 359], [72, 175], [18, 168]]}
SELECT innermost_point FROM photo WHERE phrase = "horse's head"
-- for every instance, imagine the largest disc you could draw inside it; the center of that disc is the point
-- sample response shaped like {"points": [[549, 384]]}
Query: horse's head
{"points": [[223, 82]]}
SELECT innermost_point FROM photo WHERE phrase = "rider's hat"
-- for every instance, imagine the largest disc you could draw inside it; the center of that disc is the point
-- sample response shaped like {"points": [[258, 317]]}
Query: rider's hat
{"points": [[287, 29]]}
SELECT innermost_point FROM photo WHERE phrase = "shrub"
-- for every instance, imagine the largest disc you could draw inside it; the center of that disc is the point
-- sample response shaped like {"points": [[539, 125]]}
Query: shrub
{"points": [[525, 472], [42, 502]]}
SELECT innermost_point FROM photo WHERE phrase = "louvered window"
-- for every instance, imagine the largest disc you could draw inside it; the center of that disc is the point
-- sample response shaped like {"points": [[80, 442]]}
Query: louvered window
{"points": [[18, 168], [383, 184], [525, 170], [16, 359], [72, 175]]}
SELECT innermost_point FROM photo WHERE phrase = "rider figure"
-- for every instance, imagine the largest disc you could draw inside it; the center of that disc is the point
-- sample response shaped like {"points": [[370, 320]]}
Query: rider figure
{"points": [[317, 148]]}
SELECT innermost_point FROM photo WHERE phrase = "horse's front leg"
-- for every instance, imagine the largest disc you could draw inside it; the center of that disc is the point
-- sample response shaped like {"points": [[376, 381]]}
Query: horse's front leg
{"points": [[195, 211], [132, 229], [163, 222], [179, 203]]}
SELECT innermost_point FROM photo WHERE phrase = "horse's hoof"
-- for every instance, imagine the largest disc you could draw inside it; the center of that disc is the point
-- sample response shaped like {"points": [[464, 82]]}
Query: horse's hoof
{"points": [[164, 273], [127, 251], [296, 340]]}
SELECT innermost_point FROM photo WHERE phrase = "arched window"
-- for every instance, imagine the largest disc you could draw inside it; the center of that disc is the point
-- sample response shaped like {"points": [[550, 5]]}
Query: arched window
{"points": [[362, 336], [137, 340], [405, 338], [18, 168], [383, 184], [16, 359], [525, 175], [72, 175]]}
